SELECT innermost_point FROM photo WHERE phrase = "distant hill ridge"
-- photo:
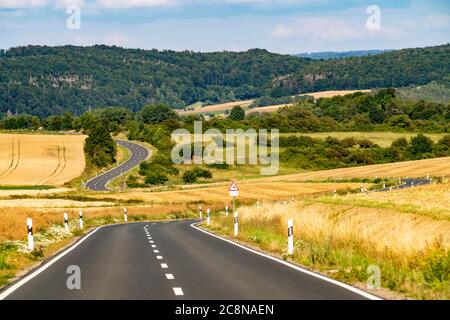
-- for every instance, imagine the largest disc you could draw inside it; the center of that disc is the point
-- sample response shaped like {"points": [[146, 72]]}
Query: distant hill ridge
{"points": [[327, 55]]}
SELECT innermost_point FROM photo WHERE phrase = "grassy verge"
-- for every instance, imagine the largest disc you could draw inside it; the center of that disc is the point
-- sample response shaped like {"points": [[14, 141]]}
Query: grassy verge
{"points": [[343, 241], [26, 187], [15, 258]]}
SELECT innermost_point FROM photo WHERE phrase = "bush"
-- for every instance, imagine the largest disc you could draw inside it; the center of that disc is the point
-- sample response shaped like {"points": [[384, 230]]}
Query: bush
{"points": [[156, 178], [202, 173], [189, 177], [420, 145]]}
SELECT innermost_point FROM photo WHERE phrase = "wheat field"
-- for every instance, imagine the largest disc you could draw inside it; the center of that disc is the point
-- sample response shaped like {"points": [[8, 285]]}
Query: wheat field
{"points": [[28, 159]]}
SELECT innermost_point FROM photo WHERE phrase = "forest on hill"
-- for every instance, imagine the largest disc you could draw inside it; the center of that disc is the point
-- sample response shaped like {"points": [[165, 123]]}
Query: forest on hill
{"points": [[44, 81]]}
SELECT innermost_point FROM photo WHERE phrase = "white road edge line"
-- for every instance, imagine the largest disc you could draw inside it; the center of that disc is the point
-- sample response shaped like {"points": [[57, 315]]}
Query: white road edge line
{"points": [[290, 265], [41, 269]]}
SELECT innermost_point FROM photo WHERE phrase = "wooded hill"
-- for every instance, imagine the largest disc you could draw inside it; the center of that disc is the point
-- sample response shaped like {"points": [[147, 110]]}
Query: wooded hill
{"points": [[43, 80]]}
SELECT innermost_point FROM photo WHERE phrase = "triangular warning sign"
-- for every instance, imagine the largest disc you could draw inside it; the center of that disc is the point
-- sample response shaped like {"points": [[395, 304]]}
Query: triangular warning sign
{"points": [[233, 187]]}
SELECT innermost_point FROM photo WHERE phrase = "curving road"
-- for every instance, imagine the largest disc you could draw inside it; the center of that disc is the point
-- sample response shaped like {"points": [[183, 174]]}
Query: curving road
{"points": [[138, 154], [171, 260], [407, 183]]}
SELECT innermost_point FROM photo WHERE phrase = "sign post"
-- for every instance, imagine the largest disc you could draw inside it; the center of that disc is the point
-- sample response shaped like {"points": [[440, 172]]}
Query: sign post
{"points": [[66, 222], [81, 219], [233, 191]]}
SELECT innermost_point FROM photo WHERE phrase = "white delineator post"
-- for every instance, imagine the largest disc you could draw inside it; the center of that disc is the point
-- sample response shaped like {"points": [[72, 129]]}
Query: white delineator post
{"points": [[201, 213], [236, 221], [30, 234], [66, 222], [81, 219], [208, 217], [226, 211], [290, 236], [334, 193], [125, 215]]}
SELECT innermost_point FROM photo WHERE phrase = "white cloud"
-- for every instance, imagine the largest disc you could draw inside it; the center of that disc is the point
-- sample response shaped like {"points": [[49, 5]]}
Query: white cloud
{"points": [[319, 29], [114, 4], [282, 31], [20, 4], [67, 3]]}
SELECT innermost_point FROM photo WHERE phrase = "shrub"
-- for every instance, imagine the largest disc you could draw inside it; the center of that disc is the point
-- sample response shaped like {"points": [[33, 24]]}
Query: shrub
{"points": [[156, 178], [189, 177]]}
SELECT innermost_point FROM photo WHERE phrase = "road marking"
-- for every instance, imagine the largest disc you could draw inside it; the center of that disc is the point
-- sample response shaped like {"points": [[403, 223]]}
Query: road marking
{"points": [[153, 246], [151, 241], [164, 265], [20, 283], [290, 265], [170, 276], [156, 251], [159, 257], [178, 291]]}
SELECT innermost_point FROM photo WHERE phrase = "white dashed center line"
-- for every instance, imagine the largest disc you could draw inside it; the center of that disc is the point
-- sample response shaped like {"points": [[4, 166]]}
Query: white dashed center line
{"points": [[164, 265], [159, 257], [156, 251], [153, 246], [170, 276], [178, 291]]}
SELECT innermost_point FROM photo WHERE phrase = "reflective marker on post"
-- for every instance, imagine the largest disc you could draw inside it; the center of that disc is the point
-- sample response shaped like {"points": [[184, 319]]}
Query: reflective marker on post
{"points": [[30, 234], [236, 220], [290, 236], [201, 213], [125, 215], [81, 219], [226, 211], [66, 222], [208, 218]]}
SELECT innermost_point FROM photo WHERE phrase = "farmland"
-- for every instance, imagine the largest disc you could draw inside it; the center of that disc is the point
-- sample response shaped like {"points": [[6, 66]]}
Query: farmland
{"points": [[342, 236], [28, 159], [223, 107]]}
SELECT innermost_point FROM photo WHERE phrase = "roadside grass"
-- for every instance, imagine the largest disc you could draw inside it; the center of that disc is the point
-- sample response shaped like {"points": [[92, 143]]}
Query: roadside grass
{"points": [[342, 241], [51, 237], [26, 187]]}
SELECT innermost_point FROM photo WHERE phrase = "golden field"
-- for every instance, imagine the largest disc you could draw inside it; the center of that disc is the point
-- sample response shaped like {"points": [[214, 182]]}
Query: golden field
{"points": [[343, 236], [250, 191], [421, 168], [246, 103], [28, 159]]}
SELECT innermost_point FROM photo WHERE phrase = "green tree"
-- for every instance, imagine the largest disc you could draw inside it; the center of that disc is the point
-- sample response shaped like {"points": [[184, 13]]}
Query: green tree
{"points": [[237, 113], [420, 145], [100, 148], [156, 113]]}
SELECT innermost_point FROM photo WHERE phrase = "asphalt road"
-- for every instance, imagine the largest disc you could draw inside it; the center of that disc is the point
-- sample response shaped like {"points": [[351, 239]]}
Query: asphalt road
{"points": [[138, 154], [171, 260], [407, 183]]}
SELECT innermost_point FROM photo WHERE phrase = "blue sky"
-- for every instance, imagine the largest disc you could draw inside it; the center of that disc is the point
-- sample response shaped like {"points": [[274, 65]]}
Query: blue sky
{"points": [[284, 26]]}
